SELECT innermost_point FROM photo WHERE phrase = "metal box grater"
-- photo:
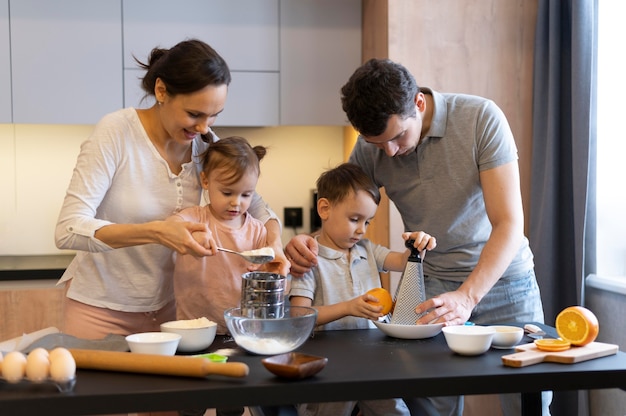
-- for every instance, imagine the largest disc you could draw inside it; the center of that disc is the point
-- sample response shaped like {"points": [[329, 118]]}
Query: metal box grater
{"points": [[410, 290]]}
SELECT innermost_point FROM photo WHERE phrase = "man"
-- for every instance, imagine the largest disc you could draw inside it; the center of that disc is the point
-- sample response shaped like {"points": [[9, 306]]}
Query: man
{"points": [[449, 164]]}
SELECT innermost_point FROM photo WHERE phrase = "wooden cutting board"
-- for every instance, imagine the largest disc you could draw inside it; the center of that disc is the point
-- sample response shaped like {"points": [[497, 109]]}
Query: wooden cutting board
{"points": [[528, 354]]}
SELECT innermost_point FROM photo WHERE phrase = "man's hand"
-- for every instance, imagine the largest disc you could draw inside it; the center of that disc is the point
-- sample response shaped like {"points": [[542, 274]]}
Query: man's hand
{"points": [[451, 308], [301, 251]]}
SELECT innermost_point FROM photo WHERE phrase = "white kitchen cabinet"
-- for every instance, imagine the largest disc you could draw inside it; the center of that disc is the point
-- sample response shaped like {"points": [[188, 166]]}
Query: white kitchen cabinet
{"points": [[320, 47], [5, 64], [244, 32], [242, 108], [66, 60]]}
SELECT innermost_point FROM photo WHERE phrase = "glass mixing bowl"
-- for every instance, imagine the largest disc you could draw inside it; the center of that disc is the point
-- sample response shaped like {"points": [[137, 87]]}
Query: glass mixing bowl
{"points": [[270, 336]]}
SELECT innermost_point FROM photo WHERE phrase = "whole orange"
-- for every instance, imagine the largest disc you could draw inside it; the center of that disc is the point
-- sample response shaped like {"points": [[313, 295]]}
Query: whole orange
{"points": [[578, 325], [384, 299]]}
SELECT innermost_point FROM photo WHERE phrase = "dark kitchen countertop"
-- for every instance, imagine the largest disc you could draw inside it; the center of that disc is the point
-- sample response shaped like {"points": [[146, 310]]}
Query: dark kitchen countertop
{"points": [[33, 267], [362, 364]]}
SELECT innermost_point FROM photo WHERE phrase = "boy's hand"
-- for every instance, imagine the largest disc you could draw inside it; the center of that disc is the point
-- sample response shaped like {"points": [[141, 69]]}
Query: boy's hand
{"points": [[423, 241], [361, 307]]}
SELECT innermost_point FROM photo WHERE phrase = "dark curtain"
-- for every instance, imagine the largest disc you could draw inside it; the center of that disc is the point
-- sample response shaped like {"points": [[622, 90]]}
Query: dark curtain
{"points": [[562, 205]]}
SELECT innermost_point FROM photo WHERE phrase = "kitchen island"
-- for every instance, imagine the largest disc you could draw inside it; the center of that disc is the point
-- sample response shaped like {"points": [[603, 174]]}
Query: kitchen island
{"points": [[362, 364]]}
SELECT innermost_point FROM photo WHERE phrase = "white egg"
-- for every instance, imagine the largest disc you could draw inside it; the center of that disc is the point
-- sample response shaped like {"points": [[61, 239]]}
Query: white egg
{"points": [[37, 366], [14, 367], [57, 352], [41, 351], [62, 365]]}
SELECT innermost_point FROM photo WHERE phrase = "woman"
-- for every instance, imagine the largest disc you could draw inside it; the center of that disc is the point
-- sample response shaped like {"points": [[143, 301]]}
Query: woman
{"points": [[138, 167]]}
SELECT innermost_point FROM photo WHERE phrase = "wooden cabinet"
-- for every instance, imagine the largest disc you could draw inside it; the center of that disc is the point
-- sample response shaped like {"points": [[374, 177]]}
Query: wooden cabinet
{"points": [[320, 47], [66, 60], [5, 64], [244, 32], [31, 309]]}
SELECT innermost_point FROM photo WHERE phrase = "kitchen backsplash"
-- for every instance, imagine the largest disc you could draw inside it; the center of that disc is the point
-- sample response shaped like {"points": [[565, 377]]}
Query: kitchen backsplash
{"points": [[36, 163]]}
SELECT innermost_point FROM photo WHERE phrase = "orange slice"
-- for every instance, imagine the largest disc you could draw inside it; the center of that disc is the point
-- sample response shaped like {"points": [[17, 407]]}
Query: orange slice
{"points": [[384, 299], [552, 345], [578, 325]]}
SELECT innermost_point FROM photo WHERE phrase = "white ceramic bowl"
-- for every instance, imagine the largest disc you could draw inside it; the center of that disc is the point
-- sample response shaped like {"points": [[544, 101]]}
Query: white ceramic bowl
{"points": [[271, 336], [161, 343], [468, 340], [196, 334], [409, 331], [506, 336]]}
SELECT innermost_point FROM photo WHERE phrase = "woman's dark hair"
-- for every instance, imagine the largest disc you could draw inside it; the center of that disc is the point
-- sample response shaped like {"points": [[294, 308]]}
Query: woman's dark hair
{"points": [[336, 184], [185, 68], [235, 155], [377, 90]]}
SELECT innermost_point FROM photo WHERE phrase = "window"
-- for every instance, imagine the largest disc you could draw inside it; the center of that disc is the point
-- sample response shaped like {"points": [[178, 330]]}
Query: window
{"points": [[611, 173]]}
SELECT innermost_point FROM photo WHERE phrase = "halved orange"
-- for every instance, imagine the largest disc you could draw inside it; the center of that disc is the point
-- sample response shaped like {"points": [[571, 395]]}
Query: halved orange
{"points": [[578, 325], [552, 345], [384, 299]]}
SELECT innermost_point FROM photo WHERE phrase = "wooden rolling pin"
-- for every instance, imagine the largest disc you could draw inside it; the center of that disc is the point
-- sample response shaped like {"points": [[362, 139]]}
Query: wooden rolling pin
{"points": [[155, 364]]}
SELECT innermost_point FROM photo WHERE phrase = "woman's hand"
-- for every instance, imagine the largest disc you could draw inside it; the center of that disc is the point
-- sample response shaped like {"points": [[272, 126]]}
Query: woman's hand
{"points": [[301, 251], [206, 240], [186, 237]]}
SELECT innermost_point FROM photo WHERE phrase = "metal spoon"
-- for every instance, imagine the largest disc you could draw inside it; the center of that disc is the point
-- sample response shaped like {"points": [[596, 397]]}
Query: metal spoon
{"points": [[258, 256]]}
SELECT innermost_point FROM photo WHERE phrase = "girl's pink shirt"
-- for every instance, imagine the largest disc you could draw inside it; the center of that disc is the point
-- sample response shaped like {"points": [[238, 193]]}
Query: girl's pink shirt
{"points": [[206, 286]]}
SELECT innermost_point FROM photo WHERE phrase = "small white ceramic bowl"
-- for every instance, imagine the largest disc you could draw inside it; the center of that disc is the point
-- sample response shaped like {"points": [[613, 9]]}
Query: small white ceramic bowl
{"points": [[506, 336], [468, 340], [161, 343], [196, 334]]}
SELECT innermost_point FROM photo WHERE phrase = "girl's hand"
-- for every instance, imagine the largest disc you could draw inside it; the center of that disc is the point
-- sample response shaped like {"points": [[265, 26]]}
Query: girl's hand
{"points": [[280, 264], [272, 267]]}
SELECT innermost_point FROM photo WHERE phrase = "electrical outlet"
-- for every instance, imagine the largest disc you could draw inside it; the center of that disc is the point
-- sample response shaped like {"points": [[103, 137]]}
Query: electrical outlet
{"points": [[293, 217]]}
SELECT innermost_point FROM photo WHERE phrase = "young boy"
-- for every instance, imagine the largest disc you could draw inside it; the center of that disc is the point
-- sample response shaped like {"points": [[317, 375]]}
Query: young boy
{"points": [[348, 266]]}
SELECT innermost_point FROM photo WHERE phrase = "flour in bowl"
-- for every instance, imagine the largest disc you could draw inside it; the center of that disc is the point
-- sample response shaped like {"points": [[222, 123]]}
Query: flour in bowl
{"points": [[191, 323], [265, 346]]}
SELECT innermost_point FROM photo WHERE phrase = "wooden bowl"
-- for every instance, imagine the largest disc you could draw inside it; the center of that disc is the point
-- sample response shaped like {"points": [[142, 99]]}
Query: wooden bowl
{"points": [[294, 365]]}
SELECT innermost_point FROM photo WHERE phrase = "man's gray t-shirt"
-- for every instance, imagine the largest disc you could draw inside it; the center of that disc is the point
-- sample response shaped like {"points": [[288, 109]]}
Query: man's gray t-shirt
{"points": [[437, 187]]}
